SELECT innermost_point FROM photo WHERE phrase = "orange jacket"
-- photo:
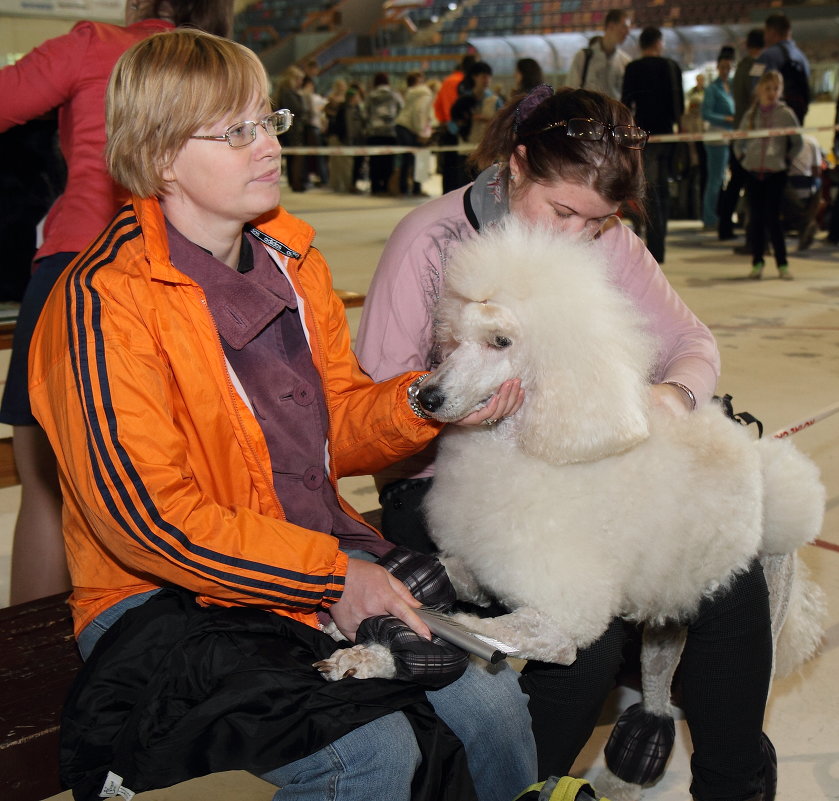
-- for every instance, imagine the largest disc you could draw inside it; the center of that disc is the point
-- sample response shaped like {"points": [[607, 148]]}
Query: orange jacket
{"points": [[164, 469], [446, 95]]}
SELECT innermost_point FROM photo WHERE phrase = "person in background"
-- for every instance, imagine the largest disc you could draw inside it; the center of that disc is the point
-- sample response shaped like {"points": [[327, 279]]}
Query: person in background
{"points": [[743, 93], [601, 65], [32, 177], [832, 237], [652, 89], [780, 49], [383, 106], [289, 96], [767, 162], [450, 162], [348, 129], [414, 127], [802, 194], [314, 124], [567, 161], [718, 112], [692, 123], [487, 103], [334, 101], [208, 542], [528, 76], [69, 73]]}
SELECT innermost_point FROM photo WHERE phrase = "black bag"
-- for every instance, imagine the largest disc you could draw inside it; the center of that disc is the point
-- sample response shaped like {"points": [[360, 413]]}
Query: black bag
{"points": [[796, 85]]}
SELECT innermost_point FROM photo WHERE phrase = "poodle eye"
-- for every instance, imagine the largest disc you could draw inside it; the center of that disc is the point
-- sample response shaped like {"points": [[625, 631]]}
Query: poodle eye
{"points": [[501, 342]]}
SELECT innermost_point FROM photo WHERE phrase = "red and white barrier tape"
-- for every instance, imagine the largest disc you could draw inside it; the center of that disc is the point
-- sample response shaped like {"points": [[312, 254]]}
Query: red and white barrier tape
{"points": [[807, 422], [388, 150]]}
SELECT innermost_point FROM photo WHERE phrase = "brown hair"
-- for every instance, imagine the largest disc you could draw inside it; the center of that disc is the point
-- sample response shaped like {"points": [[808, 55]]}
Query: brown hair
{"points": [[165, 88], [212, 16], [614, 172]]}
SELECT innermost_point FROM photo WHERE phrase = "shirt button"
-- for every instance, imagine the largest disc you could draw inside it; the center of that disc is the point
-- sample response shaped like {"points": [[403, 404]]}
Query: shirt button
{"points": [[313, 478], [303, 394]]}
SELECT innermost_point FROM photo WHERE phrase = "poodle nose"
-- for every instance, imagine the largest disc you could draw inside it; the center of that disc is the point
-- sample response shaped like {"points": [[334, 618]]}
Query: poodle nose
{"points": [[430, 398]]}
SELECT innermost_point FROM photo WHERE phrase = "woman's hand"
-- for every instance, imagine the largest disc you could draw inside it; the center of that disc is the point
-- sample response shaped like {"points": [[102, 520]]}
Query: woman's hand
{"points": [[506, 401], [369, 590]]}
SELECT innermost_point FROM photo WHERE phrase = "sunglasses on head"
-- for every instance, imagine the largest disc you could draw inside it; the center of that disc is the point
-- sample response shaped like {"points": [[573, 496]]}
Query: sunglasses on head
{"points": [[588, 130]]}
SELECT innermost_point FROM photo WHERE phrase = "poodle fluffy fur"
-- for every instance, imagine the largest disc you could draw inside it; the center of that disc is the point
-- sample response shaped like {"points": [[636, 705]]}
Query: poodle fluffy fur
{"points": [[590, 502]]}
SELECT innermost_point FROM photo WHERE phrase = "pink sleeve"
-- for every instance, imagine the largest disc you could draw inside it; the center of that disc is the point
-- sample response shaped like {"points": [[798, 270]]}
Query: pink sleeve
{"points": [[688, 351], [43, 79], [396, 331]]}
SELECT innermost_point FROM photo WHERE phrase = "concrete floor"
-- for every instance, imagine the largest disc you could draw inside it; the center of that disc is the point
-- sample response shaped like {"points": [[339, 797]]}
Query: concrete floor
{"points": [[780, 350]]}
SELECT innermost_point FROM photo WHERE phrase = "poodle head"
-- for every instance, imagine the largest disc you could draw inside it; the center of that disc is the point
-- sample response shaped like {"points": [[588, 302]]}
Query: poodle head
{"points": [[528, 303]]}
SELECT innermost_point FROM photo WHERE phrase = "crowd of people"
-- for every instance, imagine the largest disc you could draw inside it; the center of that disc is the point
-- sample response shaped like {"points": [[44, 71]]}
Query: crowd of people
{"points": [[192, 305], [456, 111]]}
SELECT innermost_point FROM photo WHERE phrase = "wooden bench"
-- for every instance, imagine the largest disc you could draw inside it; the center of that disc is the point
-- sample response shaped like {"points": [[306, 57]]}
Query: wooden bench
{"points": [[38, 662]]}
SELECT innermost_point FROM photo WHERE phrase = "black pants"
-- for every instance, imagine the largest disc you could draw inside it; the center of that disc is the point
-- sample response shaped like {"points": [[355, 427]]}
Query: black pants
{"points": [[729, 196], [765, 193], [407, 162], [657, 163], [724, 673], [381, 167]]}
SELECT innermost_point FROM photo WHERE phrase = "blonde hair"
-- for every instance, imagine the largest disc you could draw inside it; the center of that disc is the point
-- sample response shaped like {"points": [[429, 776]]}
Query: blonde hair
{"points": [[165, 88], [770, 76]]}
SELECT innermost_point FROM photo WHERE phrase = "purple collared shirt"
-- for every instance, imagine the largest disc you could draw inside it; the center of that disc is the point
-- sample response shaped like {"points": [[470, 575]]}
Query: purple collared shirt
{"points": [[255, 311]]}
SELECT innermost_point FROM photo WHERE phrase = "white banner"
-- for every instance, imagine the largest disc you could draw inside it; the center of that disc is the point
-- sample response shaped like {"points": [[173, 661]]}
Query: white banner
{"points": [[104, 10]]}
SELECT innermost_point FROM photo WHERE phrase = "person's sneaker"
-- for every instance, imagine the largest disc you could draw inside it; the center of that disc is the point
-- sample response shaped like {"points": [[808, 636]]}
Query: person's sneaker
{"points": [[807, 235], [783, 272], [757, 271]]}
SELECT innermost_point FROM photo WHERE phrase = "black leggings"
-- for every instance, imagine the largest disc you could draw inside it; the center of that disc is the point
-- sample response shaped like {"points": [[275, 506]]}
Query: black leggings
{"points": [[765, 194], [724, 673]]}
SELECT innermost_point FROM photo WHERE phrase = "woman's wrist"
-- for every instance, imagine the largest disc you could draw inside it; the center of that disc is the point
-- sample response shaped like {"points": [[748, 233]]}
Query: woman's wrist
{"points": [[413, 399], [686, 392]]}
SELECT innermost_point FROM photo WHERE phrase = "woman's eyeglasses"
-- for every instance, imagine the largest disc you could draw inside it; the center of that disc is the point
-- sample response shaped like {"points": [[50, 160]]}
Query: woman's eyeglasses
{"points": [[588, 130], [243, 133]]}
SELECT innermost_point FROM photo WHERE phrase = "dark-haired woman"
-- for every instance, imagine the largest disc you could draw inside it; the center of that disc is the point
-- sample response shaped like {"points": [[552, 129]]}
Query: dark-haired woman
{"points": [[528, 75], [569, 160]]}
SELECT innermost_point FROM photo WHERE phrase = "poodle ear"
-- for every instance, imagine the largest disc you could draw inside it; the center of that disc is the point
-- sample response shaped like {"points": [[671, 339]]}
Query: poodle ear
{"points": [[584, 416]]}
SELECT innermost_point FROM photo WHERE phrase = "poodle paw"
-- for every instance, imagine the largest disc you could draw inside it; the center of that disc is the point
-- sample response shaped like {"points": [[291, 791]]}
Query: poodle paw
{"points": [[372, 661]]}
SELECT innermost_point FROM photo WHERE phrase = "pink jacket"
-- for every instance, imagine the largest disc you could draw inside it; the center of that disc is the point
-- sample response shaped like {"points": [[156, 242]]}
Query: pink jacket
{"points": [[71, 72], [396, 332]]}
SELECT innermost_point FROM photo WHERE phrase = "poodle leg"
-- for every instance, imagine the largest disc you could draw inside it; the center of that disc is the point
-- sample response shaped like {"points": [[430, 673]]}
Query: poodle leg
{"points": [[662, 648], [645, 730], [797, 610], [463, 580], [534, 634]]}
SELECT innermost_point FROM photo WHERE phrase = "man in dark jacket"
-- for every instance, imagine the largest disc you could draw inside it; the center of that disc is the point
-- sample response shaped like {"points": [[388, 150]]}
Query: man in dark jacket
{"points": [[652, 88]]}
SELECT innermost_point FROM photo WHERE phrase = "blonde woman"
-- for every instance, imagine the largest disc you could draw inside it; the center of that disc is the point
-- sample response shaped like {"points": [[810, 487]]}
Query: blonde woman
{"points": [[194, 375]]}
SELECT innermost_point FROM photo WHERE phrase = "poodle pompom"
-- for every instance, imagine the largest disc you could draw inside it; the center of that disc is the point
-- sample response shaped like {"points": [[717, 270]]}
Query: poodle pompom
{"points": [[793, 497]]}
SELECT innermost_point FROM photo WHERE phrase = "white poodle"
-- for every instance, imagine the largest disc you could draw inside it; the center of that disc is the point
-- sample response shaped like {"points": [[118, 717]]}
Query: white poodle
{"points": [[590, 502]]}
